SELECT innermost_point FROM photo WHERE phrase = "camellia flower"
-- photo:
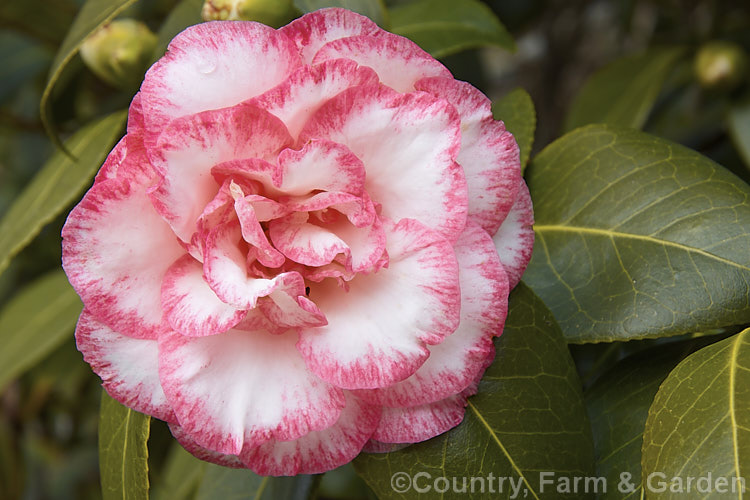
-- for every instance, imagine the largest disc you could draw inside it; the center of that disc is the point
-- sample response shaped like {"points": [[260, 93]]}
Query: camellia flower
{"points": [[289, 257]]}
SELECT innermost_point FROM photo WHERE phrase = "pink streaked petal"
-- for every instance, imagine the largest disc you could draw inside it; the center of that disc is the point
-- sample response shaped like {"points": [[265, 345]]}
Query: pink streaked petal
{"points": [[128, 367], [358, 209], [398, 61], [359, 249], [225, 269], [250, 170], [198, 451], [115, 158], [306, 243], [132, 142], [116, 249], [456, 363], [318, 451], [311, 31], [321, 165], [334, 270], [243, 388], [211, 66], [190, 146], [299, 96], [190, 306], [288, 307], [256, 320], [252, 231], [419, 423], [408, 144], [514, 240], [489, 153], [136, 119], [377, 331]]}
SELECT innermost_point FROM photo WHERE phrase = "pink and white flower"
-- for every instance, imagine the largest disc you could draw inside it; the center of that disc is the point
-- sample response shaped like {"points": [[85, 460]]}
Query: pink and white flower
{"points": [[290, 254]]}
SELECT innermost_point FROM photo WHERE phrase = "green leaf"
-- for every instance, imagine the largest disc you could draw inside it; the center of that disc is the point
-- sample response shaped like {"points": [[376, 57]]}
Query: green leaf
{"points": [[182, 475], [59, 182], [528, 416], [618, 405], [186, 13], [623, 92], [93, 15], [240, 484], [637, 237], [444, 27], [739, 130], [699, 422], [123, 451], [374, 9], [22, 58], [516, 110], [35, 322]]}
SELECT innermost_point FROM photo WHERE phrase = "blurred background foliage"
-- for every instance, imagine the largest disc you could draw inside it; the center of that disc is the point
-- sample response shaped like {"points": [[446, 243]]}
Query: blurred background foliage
{"points": [[658, 59]]}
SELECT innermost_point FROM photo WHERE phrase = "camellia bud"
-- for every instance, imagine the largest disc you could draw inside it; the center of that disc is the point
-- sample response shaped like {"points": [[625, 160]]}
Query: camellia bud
{"points": [[720, 65], [119, 52], [271, 12]]}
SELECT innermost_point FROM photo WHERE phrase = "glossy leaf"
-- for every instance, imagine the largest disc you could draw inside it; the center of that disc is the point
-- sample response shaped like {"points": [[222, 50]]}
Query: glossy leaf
{"points": [[739, 130], [527, 417], [123, 451], [618, 406], [637, 237], [516, 110], [374, 9], [184, 14], [236, 484], [699, 421], [623, 92], [93, 15], [444, 27], [59, 182], [35, 322]]}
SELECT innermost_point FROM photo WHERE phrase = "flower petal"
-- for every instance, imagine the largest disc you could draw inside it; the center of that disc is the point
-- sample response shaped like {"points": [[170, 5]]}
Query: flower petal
{"points": [[514, 240], [190, 306], [317, 245], [214, 65], [199, 451], [489, 153], [243, 388], [300, 95], [128, 367], [321, 165], [318, 451], [311, 31], [224, 267], [419, 423], [377, 331], [191, 146], [116, 249], [408, 144], [398, 61], [463, 356]]}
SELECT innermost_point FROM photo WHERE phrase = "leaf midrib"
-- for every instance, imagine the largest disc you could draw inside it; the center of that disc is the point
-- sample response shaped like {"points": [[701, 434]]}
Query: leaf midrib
{"points": [[617, 234], [733, 419], [502, 448]]}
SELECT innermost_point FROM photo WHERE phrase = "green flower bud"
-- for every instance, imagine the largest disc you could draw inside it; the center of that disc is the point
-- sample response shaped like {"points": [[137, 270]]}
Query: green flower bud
{"points": [[720, 65], [271, 12], [119, 52]]}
